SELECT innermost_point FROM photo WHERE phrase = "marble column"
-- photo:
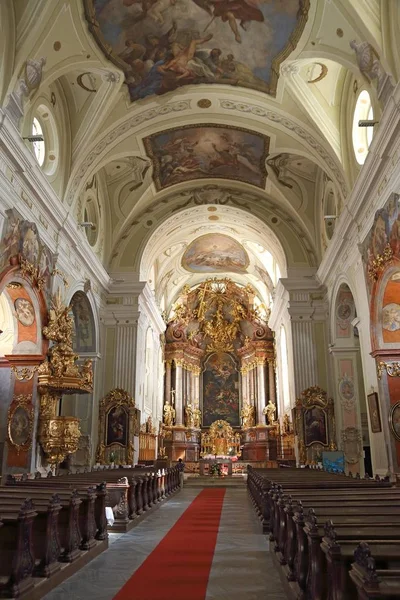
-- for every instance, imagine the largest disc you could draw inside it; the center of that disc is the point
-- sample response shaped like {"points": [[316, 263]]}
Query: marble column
{"points": [[260, 391], [179, 392], [245, 397], [196, 386], [271, 381], [125, 358], [167, 388]]}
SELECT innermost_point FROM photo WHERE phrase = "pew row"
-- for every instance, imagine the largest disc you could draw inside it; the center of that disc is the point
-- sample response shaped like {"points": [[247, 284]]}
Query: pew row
{"points": [[316, 521]]}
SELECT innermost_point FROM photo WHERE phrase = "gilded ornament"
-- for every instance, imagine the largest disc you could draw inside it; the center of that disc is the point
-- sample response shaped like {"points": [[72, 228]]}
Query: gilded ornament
{"points": [[379, 262], [392, 369], [24, 373]]}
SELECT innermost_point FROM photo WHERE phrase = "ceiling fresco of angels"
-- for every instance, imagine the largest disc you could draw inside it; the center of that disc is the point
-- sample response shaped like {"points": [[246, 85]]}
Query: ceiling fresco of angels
{"points": [[164, 44], [207, 151]]}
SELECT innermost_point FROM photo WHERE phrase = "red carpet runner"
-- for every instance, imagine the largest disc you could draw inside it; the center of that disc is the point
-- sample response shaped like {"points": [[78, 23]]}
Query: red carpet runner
{"points": [[179, 567]]}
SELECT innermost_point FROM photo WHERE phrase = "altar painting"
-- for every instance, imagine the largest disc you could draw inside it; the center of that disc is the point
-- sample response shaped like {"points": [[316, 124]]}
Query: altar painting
{"points": [[215, 253], [117, 426], [315, 426], [220, 390], [162, 45], [207, 151]]}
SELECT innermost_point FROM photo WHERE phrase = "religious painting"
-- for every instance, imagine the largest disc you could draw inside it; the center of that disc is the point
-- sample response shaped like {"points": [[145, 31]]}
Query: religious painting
{"points": [[374, 414], [315, 426], [20, 422], [117, 426], [220, 390], [207, 151], [162, 45], [21, 242], [84, 328], [383, 241], [394, 420], [24, 311], [215, 253]]}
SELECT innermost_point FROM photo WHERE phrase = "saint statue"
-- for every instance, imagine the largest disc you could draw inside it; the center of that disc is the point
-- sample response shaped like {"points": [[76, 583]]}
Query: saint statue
{"points": [[270, 411], [247, 414], [189, 415], [196, 418], [169, 414]]}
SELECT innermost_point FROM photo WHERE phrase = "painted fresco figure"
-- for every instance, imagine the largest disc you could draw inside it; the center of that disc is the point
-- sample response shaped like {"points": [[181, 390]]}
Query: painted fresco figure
{"points": [[231, 12]]}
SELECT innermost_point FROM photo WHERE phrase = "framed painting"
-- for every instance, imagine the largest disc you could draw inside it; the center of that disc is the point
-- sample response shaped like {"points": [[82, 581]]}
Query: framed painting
{"points": [[374, 414], [394, 421], [117, 425], [117, 428], [315, 426], [20, 423]]}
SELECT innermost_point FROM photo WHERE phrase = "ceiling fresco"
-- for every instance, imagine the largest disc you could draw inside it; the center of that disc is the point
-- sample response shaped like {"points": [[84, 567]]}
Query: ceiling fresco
{"points": [[207, 151], [162, 45], [215, 253]]}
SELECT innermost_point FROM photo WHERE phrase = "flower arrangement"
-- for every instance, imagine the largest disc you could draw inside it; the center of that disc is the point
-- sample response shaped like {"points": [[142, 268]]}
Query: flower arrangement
{"points": [[216, 470]]}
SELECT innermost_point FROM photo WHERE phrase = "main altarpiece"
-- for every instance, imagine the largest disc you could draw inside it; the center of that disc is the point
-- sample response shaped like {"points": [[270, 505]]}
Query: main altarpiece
{"points": [[220, 392]]}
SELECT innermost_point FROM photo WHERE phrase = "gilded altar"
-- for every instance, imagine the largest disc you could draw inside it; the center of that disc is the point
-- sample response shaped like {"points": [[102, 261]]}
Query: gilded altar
{"points": [[219, 368], [220, 440], [314, 421], [119, 423]]}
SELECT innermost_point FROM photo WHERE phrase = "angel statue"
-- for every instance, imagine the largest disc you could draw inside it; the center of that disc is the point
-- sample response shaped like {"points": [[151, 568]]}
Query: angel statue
{"points": [[247, 414], [169, 414], [270, 411], [189, 415]]}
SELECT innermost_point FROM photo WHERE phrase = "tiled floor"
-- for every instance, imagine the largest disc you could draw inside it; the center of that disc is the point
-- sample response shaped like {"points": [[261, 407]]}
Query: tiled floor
{"points": [[242, 566]]}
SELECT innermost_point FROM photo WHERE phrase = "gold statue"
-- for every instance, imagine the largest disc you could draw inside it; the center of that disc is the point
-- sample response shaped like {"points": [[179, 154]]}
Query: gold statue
{"points": [[169, 414], [247, 414], [100, 453], [189, 415], [286, 425], [270, 411], [196, 418]]}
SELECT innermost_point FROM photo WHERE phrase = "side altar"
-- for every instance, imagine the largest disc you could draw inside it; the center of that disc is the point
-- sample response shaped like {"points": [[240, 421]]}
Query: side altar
{"points": [[219, 386]]}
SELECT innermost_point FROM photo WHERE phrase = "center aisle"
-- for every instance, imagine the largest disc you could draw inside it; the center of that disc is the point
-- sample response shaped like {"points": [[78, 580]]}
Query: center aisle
{"points": [[169, 555]]}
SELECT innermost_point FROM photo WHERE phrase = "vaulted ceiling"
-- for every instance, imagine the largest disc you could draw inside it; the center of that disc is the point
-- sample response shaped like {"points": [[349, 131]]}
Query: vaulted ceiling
{"points": [[157, 111]]}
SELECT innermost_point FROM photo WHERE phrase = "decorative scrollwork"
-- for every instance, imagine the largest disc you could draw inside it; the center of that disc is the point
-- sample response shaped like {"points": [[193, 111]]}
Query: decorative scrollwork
{"points": [[392, 369], [24, 373]]}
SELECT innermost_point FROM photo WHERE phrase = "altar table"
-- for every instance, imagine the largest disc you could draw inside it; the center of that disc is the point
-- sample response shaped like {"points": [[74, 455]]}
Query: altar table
{"points": [[205, 464]]}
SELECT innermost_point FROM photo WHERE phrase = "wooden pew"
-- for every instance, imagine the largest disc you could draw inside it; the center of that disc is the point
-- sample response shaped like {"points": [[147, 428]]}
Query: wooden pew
{"points": [[16, 544], [339, 546], [295, 509], [372, 583]]}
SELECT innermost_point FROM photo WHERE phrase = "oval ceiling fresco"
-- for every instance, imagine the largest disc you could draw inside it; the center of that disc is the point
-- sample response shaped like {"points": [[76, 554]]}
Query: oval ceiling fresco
{"points": [[215, 253], [162, 45], [207, 151]]}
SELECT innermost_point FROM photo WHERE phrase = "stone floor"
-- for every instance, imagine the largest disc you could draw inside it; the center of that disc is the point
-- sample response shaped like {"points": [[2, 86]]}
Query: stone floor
{"points": [[242, 568]]}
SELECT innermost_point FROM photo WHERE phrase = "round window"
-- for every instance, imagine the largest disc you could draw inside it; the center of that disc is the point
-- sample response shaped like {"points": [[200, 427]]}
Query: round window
{"points": [[38, 142], [362, 136]]}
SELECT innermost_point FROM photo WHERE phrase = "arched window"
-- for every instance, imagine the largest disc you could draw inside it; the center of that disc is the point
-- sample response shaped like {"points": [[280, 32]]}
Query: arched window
{"points": [[39, 146], [362, 136]]}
